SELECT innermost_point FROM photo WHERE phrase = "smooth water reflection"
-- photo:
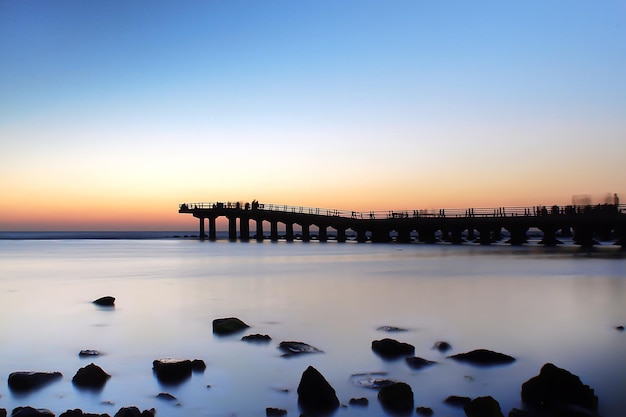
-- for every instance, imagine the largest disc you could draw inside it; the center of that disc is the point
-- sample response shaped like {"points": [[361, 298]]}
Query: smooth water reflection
{"points": [[538, 306]]}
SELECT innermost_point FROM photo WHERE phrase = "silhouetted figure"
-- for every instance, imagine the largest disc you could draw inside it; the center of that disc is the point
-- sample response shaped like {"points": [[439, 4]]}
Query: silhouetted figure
{"points": [[615, 200]]}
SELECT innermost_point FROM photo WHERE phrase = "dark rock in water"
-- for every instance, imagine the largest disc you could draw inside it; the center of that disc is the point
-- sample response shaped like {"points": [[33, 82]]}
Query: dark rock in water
{"points": [[371, 380], [390, 329], [88, 353], [228, 325], [296, 348], [257, 338], [275, 412], [106, 301], [442, 346], [361, 402], [134, 412], [457, 401], [172, 370], [555, 386], [91, 376], [315, 393], [620, 328], [397, 398], [165, 396], [392, 349], [198, 365], [424, 411], [28, 381], [79, 413], [483, 357], [415, 362], [3, 412], [483, 407], [31, 412]]}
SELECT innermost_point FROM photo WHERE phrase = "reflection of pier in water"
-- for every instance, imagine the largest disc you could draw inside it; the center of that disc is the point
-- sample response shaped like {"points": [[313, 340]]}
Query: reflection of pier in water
{"points": [[585, 224]]}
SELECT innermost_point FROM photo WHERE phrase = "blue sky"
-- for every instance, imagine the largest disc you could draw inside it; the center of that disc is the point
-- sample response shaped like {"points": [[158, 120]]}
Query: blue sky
{"points": [[406, 104]]}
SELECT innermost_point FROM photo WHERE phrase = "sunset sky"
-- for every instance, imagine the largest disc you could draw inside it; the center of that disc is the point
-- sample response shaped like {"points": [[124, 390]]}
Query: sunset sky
{"points": [[114, 112]]}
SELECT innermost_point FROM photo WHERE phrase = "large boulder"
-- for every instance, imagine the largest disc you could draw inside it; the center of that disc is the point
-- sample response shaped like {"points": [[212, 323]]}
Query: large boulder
{"points": [[106, 301], [554, 387], [483, 407], [392, 349], [172, 371], [315, 394], [397, 398], [483, 357], [228, 325], [28, 381], [91, 376]]}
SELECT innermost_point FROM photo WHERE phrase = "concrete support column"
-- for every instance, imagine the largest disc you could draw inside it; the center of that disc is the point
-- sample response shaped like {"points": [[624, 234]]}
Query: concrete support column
{"points": [[518, 235], [244, 229], [484, 237], [212, 229], [426, 235], [274, 230], [456, 235], [549, 236], [361, 236], [583, 236], [380, 235], [259, 229], [341, 235], [289, 232], [306, 233], [404, 236], [323, 234], [201, 227], [232, 228]]}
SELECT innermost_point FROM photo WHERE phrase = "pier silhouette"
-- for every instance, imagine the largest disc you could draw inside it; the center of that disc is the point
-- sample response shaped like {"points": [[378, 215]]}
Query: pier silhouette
{"points": [[586, 225]]}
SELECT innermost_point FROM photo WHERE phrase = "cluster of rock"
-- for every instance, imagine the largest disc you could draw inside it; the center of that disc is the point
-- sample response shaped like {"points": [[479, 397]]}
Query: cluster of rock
{"points": [[554, 392]]}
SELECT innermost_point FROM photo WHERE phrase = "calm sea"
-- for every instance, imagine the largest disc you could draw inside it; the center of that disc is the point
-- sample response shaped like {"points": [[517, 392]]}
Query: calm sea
{"points": [[538, 305]]}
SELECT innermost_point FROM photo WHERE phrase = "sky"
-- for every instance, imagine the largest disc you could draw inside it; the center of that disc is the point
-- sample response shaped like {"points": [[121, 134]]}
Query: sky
{"points": [[112, 113]]}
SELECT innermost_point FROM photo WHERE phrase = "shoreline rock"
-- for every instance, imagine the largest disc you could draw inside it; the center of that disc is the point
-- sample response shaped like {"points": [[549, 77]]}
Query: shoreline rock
{"points": [[392, 349], [26, 381], [483, 357], [315, 394], [228, 325]]}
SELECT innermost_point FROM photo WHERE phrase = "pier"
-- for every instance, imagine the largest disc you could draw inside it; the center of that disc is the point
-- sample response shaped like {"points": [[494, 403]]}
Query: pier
{"points": [[585, 225]]}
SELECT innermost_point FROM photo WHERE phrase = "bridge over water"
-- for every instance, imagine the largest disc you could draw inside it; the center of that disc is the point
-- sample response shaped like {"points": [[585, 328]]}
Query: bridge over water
{"points": [[586, 225]]}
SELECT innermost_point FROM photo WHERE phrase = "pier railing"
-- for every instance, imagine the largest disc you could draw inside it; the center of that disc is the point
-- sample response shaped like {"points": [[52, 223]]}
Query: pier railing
{"points": [[513, 211]]}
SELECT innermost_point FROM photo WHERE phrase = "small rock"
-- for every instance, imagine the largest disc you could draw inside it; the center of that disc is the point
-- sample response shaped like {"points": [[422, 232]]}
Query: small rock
{"points": [[371, 380], [296, 348], [483, 357], [483, 407], [88, 353], [28, 381], [315, 393], [457, 401], [397, 397], [172, 370], [165, 396], [3, 412], [228, 325], [392, 349], [257, 338], [361, 402], [275, 412], [31, 412], [198, 365], [415, 362], [442, 346], [91, 376], [424, 411], [620, 328], [390, 329], [106, 301]]}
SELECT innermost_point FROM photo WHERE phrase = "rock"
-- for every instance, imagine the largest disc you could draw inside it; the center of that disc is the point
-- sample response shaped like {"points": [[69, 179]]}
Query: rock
{"points": [[257, 338], [390, 329], [106, 301], [315, 393], [396, 398], [415, 362], [91, 376], [229, 325], [371, 380], [31, 412], [555, 386], [361, 402], [28, 381], [172, 370], [134, 412], [392, 349], [88, 353], [457, 401], [424, 411], [165, 396], [442, 346], [79, 413], [275, 412], [198, 365], [3, 412], [483, 407], [483, 357], [620, 328], [296, 348]]}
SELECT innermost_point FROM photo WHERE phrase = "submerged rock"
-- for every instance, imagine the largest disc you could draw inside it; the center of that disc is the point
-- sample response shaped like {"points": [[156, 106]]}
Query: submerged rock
{"points": [[228, 325], [88, 353], [397, 398], [555, 386], [391, 329], [29, 381], [315, 394], [257, 338], [275, 412], [371, 380], [415, 362], [296, 348], [392, 349], [442, 346], [106, 301], [424, 411], [361, 402], [483, 357], [91, 376], [483, 407], [165, 396], [457, 401]]}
